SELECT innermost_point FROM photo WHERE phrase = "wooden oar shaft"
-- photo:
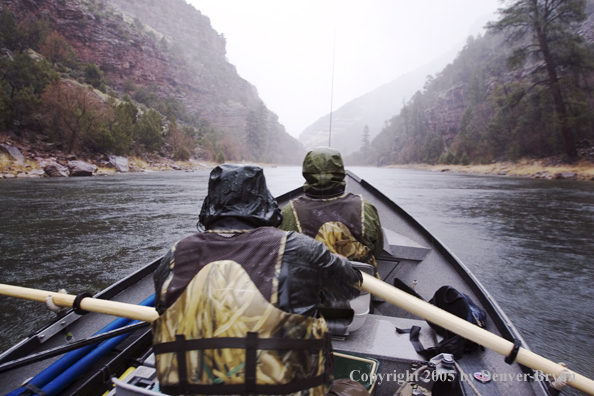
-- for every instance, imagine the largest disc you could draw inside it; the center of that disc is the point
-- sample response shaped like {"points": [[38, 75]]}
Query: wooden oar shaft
{"points": [[472, 332], [370, 284], [130, 311]]}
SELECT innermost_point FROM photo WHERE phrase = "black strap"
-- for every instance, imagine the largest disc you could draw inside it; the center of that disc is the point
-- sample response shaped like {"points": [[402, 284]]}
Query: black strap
{"points": [[250, 362], [252, 343], [509, 359], [182, 367], [76, 303], [36, 390], [223, 389], [414, 339], [237, 343], [329, 359], [427, 353]]}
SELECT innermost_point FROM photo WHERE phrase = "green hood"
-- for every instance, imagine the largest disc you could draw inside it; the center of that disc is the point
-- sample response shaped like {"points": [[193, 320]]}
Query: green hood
{"points": [[323, 170]]}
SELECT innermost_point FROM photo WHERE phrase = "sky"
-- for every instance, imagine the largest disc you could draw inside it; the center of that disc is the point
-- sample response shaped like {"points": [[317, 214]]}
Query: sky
{"points": [[306, 57]]}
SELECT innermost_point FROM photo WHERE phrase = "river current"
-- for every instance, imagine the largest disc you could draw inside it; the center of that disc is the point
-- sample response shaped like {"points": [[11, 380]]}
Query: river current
{"points": [[528, 241]]}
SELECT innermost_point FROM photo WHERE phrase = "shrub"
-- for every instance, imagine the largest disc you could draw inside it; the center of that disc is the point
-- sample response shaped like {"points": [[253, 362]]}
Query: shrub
{"points": [[464, 160], [147, 130], [93, 76], [182, 154], [449, 159]]}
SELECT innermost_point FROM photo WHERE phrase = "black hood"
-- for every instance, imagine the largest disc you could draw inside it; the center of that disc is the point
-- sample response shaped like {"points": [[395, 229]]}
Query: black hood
{"points": [[239, 192]]}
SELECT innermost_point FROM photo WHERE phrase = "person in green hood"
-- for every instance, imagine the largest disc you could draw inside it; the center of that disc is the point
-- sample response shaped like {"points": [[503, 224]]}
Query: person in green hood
{"points": [[346, 223]]}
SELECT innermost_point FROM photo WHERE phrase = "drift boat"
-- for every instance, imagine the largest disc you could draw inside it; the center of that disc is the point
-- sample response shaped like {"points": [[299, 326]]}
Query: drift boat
{"points": [[87, 353]]}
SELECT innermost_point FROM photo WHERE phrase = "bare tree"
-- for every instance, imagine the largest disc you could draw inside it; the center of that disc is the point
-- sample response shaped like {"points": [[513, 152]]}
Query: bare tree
{"points": [[72, 113]]}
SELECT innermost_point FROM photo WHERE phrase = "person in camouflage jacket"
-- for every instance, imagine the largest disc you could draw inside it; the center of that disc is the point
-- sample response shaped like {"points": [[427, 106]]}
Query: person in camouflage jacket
{"points": [[238, 300], [346, 223]]}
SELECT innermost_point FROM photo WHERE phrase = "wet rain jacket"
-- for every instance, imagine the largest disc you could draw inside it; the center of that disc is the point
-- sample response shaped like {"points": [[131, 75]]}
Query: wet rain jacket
{"points": [[345, 222], [250, 280]]}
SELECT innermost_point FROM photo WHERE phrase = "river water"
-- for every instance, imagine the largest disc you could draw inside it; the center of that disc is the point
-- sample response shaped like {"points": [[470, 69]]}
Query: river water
{"points": [[528, 241]]}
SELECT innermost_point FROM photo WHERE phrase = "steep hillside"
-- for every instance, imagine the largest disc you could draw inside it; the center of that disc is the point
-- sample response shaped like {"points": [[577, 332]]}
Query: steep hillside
{"points": [[223, 97], [201, 76], [168, 50], [490, 105], [372, 109]]}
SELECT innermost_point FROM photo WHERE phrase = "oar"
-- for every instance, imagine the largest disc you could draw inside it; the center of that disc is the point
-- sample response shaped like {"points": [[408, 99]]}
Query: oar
{"points": [[130, 311], [471, 332], [72, 346], [63, 364], [370, 284]]}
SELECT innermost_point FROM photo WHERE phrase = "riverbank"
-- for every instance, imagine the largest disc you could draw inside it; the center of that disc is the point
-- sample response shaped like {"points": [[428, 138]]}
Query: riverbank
{"points": [[33, 158], [536, 169], [24, 159]]}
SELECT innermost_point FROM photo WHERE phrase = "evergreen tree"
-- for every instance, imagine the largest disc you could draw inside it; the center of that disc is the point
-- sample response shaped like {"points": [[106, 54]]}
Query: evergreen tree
{"points": [[122, 128], [22, 80], [256, 132], [11, 36], [28, 34], [544, 31], [147, 130], [94, 76], [365, 142]]}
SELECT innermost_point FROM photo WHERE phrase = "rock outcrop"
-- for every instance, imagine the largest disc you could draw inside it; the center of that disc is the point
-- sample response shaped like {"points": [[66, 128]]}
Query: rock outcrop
{"points": [[13, 152], [119, 163], [54, 169], [168, 48], [81, 168]]}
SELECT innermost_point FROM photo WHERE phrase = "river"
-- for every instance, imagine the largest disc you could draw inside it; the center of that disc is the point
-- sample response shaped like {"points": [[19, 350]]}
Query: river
{"points": [[528, 241]]}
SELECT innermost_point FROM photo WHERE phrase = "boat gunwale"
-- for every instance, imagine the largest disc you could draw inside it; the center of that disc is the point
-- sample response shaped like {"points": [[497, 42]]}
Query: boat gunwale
{"points": [[33, 341]]}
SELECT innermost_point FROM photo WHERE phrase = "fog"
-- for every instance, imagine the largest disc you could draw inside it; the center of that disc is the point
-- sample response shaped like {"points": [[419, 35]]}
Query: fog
{"points": [[308, 56]]}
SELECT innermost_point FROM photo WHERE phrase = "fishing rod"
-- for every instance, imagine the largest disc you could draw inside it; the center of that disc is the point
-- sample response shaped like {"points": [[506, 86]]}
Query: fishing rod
{"points": [[332, 91]]}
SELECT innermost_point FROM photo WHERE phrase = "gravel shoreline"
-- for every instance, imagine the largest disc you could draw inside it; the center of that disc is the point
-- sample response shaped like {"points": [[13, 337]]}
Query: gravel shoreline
{"points": [[536, 169], [34, 158]]}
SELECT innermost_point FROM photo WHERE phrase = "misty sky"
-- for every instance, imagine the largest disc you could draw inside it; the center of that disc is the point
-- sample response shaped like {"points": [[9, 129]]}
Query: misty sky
{"points": [[285, 47]]}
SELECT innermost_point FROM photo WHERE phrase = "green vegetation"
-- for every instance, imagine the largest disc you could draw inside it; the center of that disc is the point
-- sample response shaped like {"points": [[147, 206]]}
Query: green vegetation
{"points": [[256, 132], [22, 80], [365, 141], [545, 31], [94, 76], [148, 130], [44, 89], [524, 90]]}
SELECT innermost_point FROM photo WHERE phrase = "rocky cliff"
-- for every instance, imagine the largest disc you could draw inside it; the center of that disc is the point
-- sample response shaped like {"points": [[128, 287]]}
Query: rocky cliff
{"points": [[166, 46], [372, 109], [480, 110]]}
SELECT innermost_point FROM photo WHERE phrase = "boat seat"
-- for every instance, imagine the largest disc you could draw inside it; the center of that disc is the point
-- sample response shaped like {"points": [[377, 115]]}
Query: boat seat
{"points": [[378, 339], [400, 247]]}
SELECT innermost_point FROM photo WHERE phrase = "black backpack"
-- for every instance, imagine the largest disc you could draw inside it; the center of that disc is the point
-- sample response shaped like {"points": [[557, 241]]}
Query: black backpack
{"points": [[459, 304]]}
